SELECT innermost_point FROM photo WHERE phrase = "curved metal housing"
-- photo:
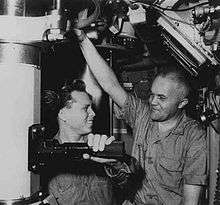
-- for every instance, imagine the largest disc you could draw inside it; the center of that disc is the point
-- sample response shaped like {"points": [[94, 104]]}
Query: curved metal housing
{"points": [[183, 39], [181, 42]]}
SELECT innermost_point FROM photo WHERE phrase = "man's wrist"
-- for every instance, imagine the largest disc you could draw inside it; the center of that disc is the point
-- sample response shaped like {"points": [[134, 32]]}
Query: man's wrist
{"points": [[85, 43], [80, 35], [83, 39]]}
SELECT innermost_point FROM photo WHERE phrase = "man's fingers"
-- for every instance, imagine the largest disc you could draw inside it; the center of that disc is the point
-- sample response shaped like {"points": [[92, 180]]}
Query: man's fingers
{"points": [[96, 143], [110, 140], [90, 139], [102, 142], [80, 34]]}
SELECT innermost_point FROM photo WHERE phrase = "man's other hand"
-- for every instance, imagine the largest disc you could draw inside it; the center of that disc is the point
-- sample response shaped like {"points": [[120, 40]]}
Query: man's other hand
{"points": [[80, 34], [97, 143]]}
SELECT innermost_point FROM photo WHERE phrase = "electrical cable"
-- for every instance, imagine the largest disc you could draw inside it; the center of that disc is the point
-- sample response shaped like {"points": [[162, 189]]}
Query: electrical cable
{"points": [[170, 9], [161, 10], [178, 20], [129, 3], [180, 10]]}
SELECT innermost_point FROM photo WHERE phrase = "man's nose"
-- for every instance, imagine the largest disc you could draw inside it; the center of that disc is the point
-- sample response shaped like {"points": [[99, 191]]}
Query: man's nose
{"points": [[153, 100], [91, 112]]}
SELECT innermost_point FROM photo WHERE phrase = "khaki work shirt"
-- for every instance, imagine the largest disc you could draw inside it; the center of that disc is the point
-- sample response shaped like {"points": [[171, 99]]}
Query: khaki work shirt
{"points": [[169, 160]]}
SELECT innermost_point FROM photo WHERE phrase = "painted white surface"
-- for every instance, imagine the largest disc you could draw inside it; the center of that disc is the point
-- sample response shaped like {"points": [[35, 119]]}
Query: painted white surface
{"points": [[17, 95]]}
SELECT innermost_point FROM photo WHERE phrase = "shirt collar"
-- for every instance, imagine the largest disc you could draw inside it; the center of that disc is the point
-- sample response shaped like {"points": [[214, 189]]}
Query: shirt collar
{"points": [[179, 128]]}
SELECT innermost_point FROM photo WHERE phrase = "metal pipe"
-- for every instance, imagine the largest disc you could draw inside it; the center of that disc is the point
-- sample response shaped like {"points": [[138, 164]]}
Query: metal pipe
{"points": [[13, 7], [57, 4]]}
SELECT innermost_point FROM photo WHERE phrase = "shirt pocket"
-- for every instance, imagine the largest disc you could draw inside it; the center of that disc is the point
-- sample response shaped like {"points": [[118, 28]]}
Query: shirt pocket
{"points": [[170, 171], [170, 164]]}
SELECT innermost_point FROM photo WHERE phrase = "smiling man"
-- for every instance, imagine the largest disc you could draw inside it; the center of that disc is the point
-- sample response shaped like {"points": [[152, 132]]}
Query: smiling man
{"points": [[169, 95], [80, 181], [76, 118], [170, 146]]}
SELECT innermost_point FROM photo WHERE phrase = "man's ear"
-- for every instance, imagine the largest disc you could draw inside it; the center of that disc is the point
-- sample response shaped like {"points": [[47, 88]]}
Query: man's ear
{"points": [[183, 103], [62, 115]]}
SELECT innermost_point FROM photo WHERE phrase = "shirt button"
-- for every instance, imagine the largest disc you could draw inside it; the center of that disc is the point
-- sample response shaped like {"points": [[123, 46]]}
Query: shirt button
{"points": [[150, 160]]}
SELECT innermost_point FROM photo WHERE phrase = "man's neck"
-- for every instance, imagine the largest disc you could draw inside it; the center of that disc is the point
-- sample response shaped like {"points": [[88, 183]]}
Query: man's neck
{"points": [[66, 134], [168, 124]]}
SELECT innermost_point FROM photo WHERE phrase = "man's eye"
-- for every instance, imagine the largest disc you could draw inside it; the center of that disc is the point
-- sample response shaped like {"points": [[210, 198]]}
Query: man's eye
{"points": [[162, 98], [86, 108], [151, 95]]}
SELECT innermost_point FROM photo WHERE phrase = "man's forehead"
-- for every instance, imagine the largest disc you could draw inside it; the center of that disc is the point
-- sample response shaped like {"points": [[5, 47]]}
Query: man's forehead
{"points": [[163, 85], [81, 97]]}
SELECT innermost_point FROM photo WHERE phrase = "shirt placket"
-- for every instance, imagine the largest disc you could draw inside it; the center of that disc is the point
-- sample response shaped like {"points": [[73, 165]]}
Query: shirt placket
{"points": [[151, 145], [150, 154]]}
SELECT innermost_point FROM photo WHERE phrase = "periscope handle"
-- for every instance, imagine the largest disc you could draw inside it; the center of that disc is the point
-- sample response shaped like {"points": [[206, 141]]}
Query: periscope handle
{"points": [[115, 150]]}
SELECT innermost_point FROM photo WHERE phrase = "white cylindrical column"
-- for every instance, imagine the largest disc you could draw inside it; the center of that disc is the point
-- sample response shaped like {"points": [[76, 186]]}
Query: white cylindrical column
{"points": [[19, 109]]}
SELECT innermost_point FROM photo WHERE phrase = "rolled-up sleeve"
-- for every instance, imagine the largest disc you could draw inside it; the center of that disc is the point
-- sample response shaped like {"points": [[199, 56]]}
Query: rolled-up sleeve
{"points": [[195, 169], [132, 110]]}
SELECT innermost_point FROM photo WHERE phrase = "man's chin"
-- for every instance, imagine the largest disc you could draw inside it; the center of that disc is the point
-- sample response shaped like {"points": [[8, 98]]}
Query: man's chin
{"points": [[88, 130], [155, 118]]}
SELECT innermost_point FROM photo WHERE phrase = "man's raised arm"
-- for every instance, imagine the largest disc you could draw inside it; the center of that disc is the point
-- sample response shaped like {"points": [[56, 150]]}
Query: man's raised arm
{"points": [[101, 70]]}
